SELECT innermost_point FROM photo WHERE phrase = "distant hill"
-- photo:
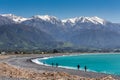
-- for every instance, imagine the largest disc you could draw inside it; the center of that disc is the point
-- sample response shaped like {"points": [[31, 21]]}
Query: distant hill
{"points": [[17, 36]]}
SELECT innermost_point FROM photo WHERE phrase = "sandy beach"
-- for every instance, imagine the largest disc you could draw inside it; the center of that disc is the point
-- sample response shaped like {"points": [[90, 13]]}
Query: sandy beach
{"points": [[20, 67]]}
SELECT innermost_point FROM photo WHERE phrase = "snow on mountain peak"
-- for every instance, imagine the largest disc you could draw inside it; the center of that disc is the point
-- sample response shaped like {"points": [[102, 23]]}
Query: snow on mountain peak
{"points": [[98, 20], [94, 20], [7, 14], [45, 17], [71, 20], [15, 18], [52, 19]]}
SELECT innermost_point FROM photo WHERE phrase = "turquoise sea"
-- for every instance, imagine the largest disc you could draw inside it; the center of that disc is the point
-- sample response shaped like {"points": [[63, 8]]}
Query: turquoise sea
{"points": [[103, 63]]}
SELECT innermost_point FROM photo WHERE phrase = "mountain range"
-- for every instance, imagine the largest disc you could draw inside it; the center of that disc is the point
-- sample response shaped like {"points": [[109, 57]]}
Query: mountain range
{"points": [[49, 32]]}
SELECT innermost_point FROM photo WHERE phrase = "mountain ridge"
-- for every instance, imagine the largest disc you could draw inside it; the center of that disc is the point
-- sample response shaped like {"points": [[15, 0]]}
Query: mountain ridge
{"points": [[93, 19], [79, 32]]}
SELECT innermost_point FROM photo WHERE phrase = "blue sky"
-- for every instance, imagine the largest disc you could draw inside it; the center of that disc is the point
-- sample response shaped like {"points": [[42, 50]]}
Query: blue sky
{"points": [[106, 9]]}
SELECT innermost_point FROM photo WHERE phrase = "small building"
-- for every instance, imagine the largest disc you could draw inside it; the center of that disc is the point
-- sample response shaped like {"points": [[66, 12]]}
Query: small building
{"points": [[43, 52], [3, 53]]}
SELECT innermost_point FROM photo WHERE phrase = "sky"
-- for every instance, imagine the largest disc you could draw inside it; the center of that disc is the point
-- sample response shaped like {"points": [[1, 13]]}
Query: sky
{"points": [[106, 9]]}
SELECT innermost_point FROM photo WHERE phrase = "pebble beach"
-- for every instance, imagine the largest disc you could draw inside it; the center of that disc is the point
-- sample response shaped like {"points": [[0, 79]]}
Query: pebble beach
{"points": [[20, 67]]}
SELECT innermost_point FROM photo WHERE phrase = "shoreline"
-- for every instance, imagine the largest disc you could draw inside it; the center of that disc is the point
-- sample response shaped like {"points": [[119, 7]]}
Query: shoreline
{"points": [[24, 62], [65, 67], [74, 54], [36, 60]]}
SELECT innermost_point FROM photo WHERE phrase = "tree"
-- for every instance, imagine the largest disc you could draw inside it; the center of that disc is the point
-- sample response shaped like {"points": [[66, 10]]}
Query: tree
{"points": [[55, 51]]}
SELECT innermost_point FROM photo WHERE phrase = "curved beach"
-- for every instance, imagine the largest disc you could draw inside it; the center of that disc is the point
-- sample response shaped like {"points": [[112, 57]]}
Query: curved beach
{"points": [[24, 62]]}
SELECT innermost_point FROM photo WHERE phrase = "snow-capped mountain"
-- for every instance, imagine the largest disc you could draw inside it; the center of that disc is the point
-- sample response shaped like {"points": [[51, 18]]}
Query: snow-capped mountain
{"points": [[80, 32], [15, 18], [94, 20], [48, 24], [47, 18], [55, 20], [5, 20]]}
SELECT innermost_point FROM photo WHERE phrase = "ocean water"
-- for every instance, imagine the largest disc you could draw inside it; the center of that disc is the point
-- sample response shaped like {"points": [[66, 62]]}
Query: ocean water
{"points": [[102, 63]]}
